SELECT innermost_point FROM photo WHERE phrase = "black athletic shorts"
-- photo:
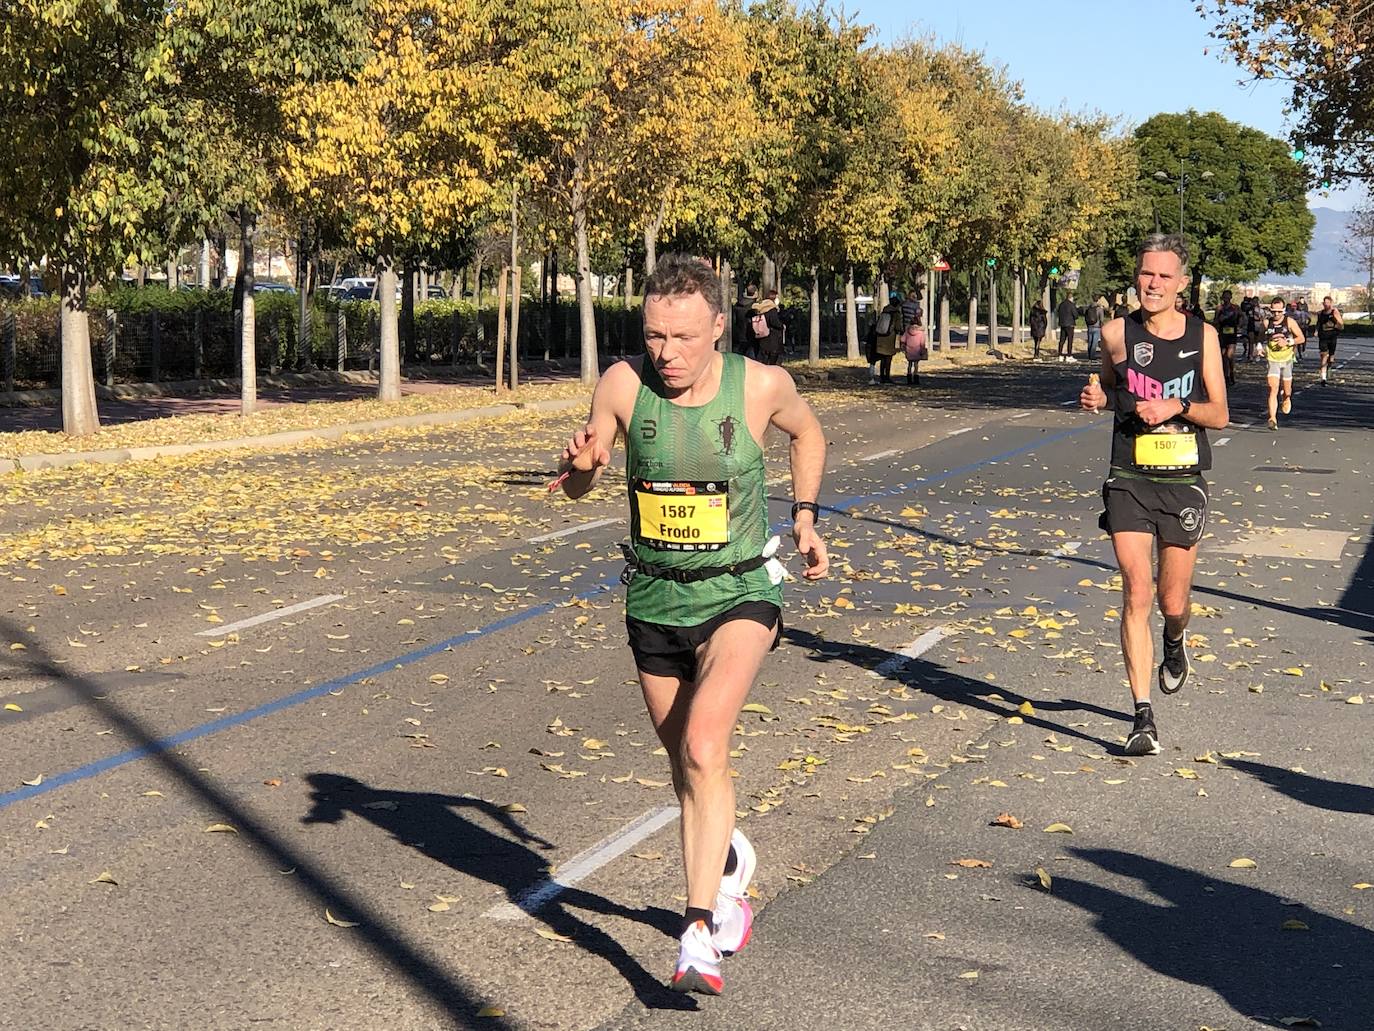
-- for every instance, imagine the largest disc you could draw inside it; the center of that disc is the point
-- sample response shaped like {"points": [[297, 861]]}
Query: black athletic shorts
{"points": [[1327, 346], [1175, 513], [671, 651]]}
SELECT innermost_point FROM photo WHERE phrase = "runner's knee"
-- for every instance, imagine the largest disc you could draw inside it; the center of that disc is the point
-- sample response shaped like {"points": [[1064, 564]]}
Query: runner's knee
{"points": [[704, 754]]}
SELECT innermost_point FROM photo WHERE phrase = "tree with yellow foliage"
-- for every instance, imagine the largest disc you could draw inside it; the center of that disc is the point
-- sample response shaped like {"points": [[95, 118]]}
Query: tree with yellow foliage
{"points": [[418, 149]]}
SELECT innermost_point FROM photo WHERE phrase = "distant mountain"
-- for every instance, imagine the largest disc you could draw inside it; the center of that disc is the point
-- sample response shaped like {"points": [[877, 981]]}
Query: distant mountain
{"points": [[1325, 263]]}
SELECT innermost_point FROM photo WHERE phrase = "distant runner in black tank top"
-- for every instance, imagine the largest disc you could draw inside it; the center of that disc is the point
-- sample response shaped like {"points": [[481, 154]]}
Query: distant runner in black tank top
{"points": [[1162, 377], [1330, 322]]}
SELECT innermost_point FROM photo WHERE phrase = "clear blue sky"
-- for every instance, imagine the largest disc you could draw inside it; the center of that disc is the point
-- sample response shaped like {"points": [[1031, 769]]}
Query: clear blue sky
{"points": [[1086, 56]]}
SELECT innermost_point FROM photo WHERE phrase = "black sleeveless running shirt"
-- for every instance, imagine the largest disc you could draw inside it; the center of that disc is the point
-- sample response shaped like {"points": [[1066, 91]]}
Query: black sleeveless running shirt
{"points": [[1155, 369], [1326, 325]]}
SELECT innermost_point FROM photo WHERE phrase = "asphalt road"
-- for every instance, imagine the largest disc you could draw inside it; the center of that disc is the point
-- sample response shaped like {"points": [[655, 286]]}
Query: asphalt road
{"points": [[443, 803]]}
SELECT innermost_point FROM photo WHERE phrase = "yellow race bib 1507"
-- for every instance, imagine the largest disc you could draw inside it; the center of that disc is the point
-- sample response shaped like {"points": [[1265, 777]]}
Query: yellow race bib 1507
{"points": [[683, 515], [1167, 451]]}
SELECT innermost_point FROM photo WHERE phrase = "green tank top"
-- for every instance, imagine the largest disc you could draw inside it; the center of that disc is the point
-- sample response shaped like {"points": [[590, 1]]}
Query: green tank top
{"points": [[696, 486]]}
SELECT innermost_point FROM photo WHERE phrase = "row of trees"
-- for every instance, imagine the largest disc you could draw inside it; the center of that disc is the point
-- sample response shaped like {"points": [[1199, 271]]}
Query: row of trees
{"points": [[414, 131]]}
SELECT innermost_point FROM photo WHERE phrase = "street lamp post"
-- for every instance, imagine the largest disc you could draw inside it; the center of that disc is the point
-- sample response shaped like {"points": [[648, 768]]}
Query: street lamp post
{"points": [[1180, 185]]}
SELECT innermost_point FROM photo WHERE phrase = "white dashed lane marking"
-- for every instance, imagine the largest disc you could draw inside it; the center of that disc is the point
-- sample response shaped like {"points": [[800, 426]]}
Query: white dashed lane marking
{"points": [[267, 617]]}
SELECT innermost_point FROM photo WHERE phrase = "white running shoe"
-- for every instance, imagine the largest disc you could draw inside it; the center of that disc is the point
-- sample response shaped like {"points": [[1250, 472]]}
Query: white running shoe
{"points": [[737, 883], [734, 920], [698, 963]]}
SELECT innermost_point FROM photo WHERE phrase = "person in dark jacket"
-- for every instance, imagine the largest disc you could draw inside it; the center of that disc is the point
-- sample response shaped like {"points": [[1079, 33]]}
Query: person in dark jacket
{"points": [[1039, 324], [771, 346], [742, 337], [1066, 315]]}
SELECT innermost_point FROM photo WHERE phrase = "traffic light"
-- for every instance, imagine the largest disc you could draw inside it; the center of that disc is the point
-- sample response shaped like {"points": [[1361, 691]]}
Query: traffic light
{"points": [[1054, 270], [1299, 154], [992, 263]]}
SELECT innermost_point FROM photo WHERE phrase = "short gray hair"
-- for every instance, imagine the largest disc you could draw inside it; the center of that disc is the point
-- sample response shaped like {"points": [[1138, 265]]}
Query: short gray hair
{"points": [[1157, 242]]}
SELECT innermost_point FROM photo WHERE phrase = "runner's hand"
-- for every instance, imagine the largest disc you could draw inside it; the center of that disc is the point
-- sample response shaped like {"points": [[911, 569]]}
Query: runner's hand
{"points": [[812, 548], [584, 453], [1093, 398], [1152, 413]]}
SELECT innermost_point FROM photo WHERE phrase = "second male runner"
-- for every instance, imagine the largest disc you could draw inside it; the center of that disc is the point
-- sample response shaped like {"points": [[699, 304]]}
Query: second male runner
{"points": [[1162, 376]]}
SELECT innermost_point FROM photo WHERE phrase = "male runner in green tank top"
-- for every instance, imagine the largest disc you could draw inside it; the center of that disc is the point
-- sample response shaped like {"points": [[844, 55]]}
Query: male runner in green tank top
{"points": [[703, 605]]}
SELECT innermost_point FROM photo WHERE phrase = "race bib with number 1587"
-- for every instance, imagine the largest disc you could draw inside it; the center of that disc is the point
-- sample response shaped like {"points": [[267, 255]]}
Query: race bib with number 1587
{"points": [[683, 515]]}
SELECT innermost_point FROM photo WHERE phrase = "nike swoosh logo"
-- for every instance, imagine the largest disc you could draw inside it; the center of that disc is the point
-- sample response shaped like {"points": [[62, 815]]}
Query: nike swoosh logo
{"points": [[1186, 354]]}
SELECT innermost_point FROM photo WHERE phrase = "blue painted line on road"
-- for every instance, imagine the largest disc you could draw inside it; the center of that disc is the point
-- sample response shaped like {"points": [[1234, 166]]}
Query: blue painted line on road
{"points": [[94, 769], [268, 708]]}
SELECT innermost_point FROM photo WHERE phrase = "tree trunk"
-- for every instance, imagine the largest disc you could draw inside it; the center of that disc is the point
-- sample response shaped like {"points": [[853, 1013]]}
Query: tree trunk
{"points": [[515, 329], [203, 280], [172, 273], [851, 316], [651, 231], [477, 284], [993, 336], [79, 414], [515, 287], [1018, 304], [972, 309], [248, 351], [727, 339], [880, 292], [629, 285], [389, 378], [768, 276], [303, 299], [501, 327], [813, 350], [591, 368]]}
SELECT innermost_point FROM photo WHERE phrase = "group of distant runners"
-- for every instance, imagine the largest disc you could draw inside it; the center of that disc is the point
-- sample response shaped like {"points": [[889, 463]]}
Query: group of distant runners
{"points": [[703, 594]]}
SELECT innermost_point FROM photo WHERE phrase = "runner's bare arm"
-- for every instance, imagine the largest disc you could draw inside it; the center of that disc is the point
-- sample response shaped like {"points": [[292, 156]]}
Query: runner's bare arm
{"points": [[791, 414], [1299, 337], [589, 450], [1113, 350]]}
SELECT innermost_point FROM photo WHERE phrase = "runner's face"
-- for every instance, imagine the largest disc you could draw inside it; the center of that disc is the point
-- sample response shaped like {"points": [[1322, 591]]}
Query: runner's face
{"points": [[1158, 281], [680, 334]]}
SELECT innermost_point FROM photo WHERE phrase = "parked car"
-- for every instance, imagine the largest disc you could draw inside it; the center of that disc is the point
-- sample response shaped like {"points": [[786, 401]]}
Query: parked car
{"points": [[272, 288], [437, 293], [13, 286]]}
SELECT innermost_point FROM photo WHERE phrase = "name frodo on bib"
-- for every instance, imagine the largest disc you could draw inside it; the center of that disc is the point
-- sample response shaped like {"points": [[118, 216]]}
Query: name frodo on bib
{"points": [[683, 515]]}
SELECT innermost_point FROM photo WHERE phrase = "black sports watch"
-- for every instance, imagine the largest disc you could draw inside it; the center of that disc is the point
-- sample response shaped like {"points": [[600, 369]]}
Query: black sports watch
{"points": [[1187, 404], [805, 506]]}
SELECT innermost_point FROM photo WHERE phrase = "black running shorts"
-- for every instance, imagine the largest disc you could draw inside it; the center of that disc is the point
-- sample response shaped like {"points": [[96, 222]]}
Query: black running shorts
{"points": [[1175, 513], [1327, 346], [671, 651]]}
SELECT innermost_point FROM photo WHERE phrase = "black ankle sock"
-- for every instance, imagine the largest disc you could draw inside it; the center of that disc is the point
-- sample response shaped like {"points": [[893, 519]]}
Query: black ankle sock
{"points": [[694, 913], [731, 861], [1143, 705]]}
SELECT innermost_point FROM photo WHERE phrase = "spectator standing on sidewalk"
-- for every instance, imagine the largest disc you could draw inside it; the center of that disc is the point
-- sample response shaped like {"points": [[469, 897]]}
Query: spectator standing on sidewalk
{"points": [[913, 337], [887, 329], [741, 330], [1067, 316], [1093, 317], [771, 345], [1039, 324]]}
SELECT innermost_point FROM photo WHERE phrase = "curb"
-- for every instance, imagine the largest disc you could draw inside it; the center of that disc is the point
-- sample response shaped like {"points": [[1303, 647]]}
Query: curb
{"points": [[33, 463]]}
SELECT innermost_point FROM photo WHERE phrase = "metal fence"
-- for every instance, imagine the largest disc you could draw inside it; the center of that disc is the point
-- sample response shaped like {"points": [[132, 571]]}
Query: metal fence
{"points": [[203, 342]]}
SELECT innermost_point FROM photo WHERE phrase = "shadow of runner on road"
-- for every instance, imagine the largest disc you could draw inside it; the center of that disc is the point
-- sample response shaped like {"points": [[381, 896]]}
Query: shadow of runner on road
{"points": [[1317, 792], [938, 682], [449, 829], [385, 942], [1228, 938]]}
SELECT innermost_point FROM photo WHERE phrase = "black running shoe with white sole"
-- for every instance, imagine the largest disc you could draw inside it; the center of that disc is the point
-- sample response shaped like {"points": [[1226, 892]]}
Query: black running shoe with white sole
{"points": [[1174, 670], [1144, 738]]}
